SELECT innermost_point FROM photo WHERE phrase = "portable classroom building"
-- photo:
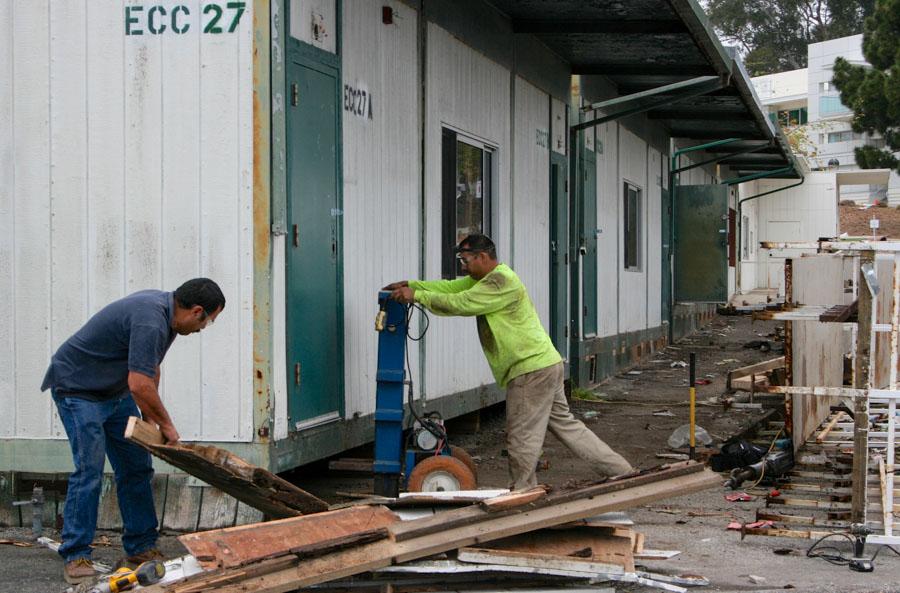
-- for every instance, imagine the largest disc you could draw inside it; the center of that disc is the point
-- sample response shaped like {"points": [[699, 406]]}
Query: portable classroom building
{"points": [[303, 153]]}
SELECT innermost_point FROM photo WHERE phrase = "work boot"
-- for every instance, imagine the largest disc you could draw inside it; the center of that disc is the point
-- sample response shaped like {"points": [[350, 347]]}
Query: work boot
{"points": [[133, 562], [79, 570]]}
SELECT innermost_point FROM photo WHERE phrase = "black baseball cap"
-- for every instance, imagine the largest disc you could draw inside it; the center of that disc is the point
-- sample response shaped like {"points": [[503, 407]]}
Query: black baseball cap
{"points": [[475, 242]]}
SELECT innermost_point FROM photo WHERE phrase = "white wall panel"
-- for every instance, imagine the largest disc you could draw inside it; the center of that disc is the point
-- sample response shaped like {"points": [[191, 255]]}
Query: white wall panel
{"points": [[7, 227], [68, 160], [608, 241], [31, 221], [654, 239], [131, 168], [381, 184], [470, 93], [531, 171], [180, 148], [802, 213], [633, 283]]}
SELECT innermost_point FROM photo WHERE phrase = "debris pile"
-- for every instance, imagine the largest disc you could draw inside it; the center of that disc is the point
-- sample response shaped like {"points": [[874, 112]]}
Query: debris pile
{"points": [[518, 538]]}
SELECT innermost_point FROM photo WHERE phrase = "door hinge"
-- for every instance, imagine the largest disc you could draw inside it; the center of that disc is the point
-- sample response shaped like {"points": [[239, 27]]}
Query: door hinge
{"points": [[295, 232], [566, 186], [567, 331], [585, 310], [297, 373], [567, 258], [295, 94]]}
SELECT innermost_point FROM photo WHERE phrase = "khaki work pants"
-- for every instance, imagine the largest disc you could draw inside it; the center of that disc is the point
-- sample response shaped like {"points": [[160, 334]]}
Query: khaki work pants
{"points": [[536, 402]]}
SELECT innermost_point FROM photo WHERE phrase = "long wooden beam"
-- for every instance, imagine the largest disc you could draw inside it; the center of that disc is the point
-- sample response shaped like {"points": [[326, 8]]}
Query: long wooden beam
{"points": [[287, 573]]}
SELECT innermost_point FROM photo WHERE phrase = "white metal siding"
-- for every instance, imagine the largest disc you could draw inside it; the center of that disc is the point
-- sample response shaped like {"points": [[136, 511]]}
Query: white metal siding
{"points": [[531, 218], [381, 184], [608, 221], [130, 167], [633, 283], [470, 93], [654, 239], [803, 213]]}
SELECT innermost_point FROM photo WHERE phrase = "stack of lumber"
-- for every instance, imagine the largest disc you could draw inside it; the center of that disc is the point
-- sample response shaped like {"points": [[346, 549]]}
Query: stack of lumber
{"points": [[531, 532]]}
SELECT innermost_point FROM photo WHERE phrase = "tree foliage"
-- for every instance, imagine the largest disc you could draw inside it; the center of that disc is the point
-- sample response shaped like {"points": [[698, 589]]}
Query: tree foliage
{"points": [[773, 34], [873, 93]]}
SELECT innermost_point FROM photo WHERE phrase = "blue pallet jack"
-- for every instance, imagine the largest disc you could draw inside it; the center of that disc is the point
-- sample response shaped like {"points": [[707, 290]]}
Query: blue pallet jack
{"points": [[424, 461]]}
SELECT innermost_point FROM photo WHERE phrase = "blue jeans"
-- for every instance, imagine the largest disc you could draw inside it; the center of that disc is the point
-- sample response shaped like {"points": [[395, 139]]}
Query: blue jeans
{"points": [[96, 430]]}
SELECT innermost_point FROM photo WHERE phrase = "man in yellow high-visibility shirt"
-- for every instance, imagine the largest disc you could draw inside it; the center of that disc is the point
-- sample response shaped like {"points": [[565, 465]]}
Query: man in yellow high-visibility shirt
{"points": [[521, 356]]}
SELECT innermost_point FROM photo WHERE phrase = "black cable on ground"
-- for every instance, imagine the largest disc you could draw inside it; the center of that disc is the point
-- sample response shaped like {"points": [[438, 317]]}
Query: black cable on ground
{"points": [[833, 555]]}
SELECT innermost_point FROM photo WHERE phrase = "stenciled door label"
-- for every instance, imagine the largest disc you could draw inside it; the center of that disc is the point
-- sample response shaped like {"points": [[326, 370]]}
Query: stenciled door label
{"points": [[358, 101], [214, 18]]}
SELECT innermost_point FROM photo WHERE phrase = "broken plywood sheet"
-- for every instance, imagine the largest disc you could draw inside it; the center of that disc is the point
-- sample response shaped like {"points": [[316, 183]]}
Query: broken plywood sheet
{"points": [[451, 530], [240, 545], [252, 485]]}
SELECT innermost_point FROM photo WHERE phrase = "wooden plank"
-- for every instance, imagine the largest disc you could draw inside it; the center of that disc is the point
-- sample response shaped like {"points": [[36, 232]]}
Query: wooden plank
{"points": [[514, 499], [828, 428], [775, 532], [235, 546], [182, 511], [247, 514], [108, 515], [217, 509], [287, 574], [648, 554], [765, 515], [759, 369], [468, 515], [585, 542], [531, 559], [252, 485]]}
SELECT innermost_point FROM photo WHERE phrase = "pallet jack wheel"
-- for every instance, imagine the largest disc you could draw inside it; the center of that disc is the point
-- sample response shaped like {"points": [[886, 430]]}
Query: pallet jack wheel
{"points": [[440, 473], [463, 455]]}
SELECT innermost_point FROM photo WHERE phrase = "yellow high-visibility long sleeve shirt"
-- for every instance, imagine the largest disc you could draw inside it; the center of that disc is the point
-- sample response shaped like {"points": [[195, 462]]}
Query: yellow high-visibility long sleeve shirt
{"points": [[511, 334]]}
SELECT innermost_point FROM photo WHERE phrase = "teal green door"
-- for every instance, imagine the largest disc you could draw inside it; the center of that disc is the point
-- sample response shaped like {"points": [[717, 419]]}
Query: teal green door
{"points": [[314, 295], [588, 242], [701, 244], [666, 227], [559, 252]]}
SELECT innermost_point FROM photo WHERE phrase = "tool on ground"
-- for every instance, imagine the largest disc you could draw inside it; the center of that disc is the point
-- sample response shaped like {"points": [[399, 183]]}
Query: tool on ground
{"points": [[427, 462], [146, 574], [37, 510], [693, 391], [773, 465]]}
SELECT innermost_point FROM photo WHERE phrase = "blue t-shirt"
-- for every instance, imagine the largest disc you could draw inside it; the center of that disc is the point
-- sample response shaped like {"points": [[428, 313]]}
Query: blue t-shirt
{"points": [[131, 334]]}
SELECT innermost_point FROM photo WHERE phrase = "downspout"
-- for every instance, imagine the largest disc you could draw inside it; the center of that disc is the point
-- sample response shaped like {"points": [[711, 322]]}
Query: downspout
{"points": [[739, 219], [673, 168]]}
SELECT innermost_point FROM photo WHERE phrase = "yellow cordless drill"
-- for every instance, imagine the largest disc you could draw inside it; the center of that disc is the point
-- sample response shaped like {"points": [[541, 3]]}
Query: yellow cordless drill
{"points": [[125, 578]]}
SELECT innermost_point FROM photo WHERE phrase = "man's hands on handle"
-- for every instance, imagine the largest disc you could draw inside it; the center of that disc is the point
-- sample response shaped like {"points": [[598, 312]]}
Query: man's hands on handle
{"points": [[146, 395], [401, 292]]}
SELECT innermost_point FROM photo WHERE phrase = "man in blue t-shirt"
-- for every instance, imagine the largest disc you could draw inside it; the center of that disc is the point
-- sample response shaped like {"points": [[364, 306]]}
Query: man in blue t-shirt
{"points": [[107, 371]]}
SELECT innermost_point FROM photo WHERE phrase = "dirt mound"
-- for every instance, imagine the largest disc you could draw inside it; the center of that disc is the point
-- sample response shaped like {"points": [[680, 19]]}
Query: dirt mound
{"points": [[855, 222]]}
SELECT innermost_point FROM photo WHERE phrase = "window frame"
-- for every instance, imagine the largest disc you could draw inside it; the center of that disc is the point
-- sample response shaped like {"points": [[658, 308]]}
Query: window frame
{"points": [[632, 262], [450, 140]]}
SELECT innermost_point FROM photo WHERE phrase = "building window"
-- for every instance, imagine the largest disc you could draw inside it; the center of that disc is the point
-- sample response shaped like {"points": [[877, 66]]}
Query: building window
{"points": [[831, 105], [632, 225], [792, 117], [466, 177], [845, 136], [827, 87]]}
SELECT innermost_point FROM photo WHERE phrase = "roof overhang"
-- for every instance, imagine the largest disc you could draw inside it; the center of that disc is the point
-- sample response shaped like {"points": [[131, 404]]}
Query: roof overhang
{"points": [[864, 177], [645, 47]]}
